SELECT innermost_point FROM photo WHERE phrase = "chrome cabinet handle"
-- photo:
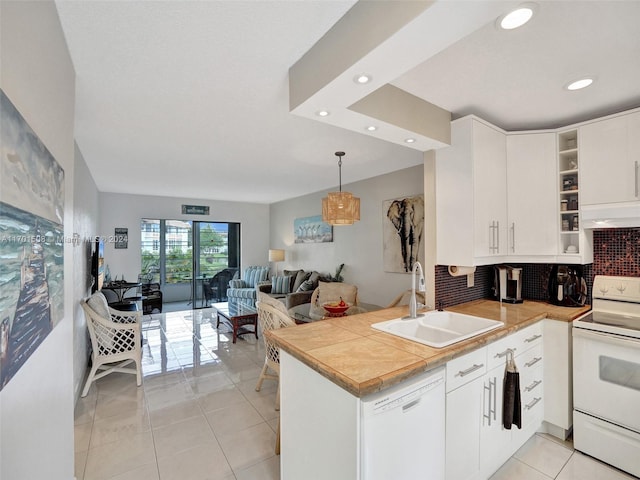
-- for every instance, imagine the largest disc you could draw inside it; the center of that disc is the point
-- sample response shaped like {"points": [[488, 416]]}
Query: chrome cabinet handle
{"points": [[492, 232], [492, 405], [529, 406], [495, 403], [498, 236], [469, 370], [502, 354], [533, 385], [513, 237], [637, 175], [533, 362], [533, 338]]}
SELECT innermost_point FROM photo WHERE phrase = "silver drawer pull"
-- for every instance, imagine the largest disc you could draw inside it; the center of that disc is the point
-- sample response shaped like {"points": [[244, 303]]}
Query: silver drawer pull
{"points": [[533, 385], [529, 406], [532, 339], [533, 362], [502, 354], [469, 370]]}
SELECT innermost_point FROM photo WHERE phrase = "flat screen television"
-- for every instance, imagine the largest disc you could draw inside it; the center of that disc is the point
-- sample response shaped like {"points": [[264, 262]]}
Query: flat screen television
{"points": [[97, 265]]}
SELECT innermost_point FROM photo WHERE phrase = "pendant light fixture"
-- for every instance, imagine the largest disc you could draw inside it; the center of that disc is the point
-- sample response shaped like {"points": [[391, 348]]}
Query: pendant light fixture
{"points": [[340, 208]]}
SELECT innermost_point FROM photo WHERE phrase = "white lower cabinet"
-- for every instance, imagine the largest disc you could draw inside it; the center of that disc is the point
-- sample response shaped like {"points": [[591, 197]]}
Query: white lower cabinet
{"points": [[477, 444]]}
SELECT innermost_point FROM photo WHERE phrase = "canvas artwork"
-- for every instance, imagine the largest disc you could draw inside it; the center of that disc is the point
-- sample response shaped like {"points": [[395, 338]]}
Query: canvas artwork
{"points": [[402, 229], [312, 230], [31, 241]]}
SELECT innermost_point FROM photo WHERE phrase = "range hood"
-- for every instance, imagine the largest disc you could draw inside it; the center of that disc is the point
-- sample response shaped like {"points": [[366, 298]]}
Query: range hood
{"points": [[611, 215]]}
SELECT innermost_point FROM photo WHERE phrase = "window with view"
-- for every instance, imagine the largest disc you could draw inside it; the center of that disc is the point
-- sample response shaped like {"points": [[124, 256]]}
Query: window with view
{"points": [[176, 251]]}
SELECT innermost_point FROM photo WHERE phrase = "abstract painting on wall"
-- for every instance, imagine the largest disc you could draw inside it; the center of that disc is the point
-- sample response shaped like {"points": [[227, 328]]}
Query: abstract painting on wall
{"points": [[31, 241], [402, 228], [312, 230]]}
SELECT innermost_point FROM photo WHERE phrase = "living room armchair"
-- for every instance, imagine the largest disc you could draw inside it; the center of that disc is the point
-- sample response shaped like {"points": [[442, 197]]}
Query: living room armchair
{"points": [[245, 290]]}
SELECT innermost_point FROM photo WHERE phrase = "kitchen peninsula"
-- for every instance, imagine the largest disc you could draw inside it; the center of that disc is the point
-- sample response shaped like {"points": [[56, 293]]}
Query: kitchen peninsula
{"points": [[344, 358]]}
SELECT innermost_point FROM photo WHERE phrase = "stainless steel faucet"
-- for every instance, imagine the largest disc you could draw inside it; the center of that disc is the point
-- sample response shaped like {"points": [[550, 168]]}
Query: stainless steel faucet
{"points": [[413, 303]]}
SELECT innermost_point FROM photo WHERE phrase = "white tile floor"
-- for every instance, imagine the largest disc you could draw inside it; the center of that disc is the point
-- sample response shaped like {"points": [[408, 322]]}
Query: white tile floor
{"points": [[198, 417]]}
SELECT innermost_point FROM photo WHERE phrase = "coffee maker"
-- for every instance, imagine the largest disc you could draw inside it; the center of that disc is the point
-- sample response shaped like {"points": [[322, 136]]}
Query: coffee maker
{"points": [[507, 284], [567, 286]]}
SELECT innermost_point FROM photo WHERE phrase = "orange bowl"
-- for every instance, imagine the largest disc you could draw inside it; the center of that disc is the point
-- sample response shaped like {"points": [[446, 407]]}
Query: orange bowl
{"points": [[331, 307]]}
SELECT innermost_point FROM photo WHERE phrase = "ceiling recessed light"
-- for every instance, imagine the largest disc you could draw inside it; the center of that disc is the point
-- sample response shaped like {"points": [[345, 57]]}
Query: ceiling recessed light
{"points": [[409, 140], [322, 113], [362, 78], [578, 84], [372, 128], [516, 18]]}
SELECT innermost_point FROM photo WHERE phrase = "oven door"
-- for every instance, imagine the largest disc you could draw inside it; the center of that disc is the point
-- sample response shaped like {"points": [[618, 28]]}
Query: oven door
{"points": [[606, 377]]}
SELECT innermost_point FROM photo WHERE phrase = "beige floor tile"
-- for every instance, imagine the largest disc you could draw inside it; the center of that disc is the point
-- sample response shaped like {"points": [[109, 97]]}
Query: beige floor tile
{"points": [[162, 380], [177, 437], [120, 426], [110, 406], [80, 462], [247, 447], [273, 423], [210, 383], [201, 462], [171, 395], [82, 436], [516, 470], [119, 457], [232, 418], [146, 472], [266, 470], [229, 395], [568, 443], [582, 467], [265, 405], [175, 413], [544, 455], [86, 408]]}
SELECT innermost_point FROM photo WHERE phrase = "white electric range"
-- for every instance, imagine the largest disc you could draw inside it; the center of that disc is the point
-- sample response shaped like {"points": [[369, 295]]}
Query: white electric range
{"points": [[606, 374]]}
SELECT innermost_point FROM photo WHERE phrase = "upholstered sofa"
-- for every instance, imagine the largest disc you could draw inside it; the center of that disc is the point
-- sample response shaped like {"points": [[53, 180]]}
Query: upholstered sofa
{"points": [[244, 290], [293, 287]]}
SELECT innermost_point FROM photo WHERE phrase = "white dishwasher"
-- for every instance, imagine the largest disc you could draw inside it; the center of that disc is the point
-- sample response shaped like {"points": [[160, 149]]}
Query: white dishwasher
{"points": [[403, 430]]}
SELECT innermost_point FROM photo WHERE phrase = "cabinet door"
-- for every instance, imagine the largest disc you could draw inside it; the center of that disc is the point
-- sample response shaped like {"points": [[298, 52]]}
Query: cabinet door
{"points": [[495, 440], [463, 431], [490, 191], [608, 171], [531, 194]]}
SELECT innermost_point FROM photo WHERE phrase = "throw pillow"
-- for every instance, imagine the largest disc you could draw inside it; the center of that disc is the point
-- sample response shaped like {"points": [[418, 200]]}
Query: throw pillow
{"points": [[300, 277], [294, 275], [98, 304], [281, 284], [305, 286]]}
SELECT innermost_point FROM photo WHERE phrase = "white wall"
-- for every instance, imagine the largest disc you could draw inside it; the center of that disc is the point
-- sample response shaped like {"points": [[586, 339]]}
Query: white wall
{"points": [[358, 246], [36, 406], [120, 210], [85, 224]]}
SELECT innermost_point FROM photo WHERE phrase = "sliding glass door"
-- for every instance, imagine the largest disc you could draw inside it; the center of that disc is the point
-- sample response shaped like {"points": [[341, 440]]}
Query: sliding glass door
{"points": [[184, 257]]}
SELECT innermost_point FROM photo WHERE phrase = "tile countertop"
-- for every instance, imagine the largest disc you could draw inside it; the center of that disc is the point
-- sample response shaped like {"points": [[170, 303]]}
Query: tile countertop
{"points": [[363, 360]]}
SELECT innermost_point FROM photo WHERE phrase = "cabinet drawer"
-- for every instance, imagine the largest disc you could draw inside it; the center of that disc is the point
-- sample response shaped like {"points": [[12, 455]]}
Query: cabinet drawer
{"points": [[529, 361], [519, 342], [463, 369]]}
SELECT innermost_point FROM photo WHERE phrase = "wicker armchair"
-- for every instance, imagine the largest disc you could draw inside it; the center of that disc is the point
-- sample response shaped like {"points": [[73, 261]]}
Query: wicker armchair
{"points": [[115, 339], [272, 315]]}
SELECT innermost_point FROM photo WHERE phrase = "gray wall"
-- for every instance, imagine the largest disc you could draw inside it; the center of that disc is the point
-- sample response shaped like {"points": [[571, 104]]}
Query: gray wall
{"points": [[36, 406], [120, 210], [358, 246]]}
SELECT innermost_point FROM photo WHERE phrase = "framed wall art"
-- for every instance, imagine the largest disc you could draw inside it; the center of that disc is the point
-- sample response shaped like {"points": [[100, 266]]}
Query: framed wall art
{"points": [[312, 230], [402, 230]]}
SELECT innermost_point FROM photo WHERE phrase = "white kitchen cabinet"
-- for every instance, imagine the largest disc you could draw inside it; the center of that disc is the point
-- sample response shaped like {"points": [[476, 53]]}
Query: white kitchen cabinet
{"points": [[471, 188], [558, 378], [531, 194], [610, 160], [465, 379], [495, 440]]}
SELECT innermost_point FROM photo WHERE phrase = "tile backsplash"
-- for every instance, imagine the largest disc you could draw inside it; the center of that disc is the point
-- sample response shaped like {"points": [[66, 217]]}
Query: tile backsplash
{"points": [[615, 252]]}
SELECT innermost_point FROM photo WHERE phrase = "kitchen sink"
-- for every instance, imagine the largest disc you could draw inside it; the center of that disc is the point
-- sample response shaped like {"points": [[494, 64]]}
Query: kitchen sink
{"points": [[438, 329]]}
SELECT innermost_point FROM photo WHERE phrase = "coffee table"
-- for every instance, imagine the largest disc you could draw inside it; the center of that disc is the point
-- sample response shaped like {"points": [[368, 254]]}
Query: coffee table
{"points": [[238, 317]]}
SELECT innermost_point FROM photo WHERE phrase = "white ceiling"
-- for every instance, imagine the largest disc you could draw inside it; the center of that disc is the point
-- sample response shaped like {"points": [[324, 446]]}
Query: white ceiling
{"points": [[190, 99]]}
